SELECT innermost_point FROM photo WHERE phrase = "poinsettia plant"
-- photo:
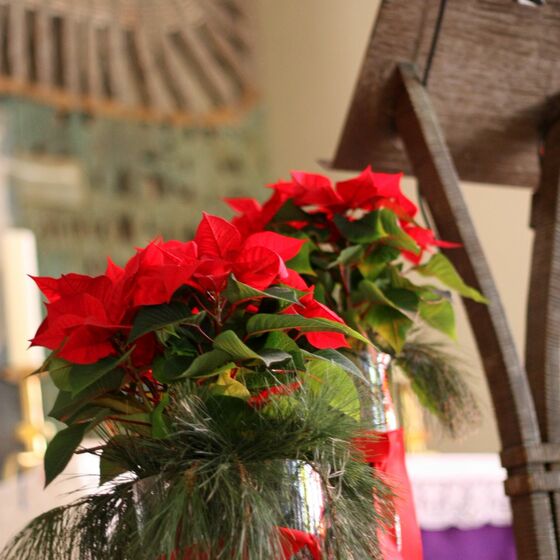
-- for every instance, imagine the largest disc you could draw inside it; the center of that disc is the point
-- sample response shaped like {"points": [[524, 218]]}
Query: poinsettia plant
{"points": [[223, 312], [365, 254]]}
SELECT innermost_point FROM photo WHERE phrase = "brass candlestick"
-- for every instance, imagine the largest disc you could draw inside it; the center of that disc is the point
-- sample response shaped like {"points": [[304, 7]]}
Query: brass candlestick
{"points": [[32, 431]]}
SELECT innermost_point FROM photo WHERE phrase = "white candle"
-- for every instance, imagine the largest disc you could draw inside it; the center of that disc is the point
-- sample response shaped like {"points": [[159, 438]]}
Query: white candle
{"points": [[21, 299]]}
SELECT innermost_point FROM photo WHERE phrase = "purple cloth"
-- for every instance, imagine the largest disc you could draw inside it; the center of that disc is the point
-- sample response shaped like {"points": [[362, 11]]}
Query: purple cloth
{"points": [[483, 543]]}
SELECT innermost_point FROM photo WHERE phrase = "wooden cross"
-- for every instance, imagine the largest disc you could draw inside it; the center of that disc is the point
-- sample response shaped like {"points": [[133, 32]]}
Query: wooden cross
{"points": [[463, 88]]}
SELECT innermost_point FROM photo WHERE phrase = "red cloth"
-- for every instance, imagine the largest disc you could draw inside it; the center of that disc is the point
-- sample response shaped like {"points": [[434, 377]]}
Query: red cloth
{"points": [[385, 451]]}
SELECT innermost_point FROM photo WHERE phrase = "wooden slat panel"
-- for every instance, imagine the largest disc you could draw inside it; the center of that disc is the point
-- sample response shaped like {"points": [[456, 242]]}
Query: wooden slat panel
{"points": [[239, 31], [204, 67], [45, 50], [495, 65], [160, 97], [189, 90], [124, 88], [240, 67], [72, 54], [18, 58], [94, 75]]}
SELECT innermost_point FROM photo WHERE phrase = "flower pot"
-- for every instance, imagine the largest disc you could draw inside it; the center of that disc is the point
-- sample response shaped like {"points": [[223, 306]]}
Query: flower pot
{"points": [[376, 402]]}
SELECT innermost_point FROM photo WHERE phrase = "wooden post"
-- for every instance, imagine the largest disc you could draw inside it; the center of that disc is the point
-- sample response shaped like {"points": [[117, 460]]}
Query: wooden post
{"points": [[528, 482], [542, 348]]}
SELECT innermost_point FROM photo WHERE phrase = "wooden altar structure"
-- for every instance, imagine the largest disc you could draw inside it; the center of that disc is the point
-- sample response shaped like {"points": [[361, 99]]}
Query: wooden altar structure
{"points": [[468, 89]]}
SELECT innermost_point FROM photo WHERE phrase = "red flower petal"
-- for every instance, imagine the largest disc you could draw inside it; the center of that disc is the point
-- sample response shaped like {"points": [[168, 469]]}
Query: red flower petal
{"points": [[388, 185], [73, 284], [294, 280], [87, 345], [113, 272], [144, 351], [158, 284], [286, 247], [447, 244], [211, 275], [323, 340], [216, 237], [49, 286], [315, 190], [264, 396], [359, 191], [244, 205], [259, 267]]}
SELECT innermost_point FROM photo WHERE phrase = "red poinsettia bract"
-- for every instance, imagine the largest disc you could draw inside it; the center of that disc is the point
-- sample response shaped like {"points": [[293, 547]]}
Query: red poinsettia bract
{"points": [[90, 318], [316, 195]]}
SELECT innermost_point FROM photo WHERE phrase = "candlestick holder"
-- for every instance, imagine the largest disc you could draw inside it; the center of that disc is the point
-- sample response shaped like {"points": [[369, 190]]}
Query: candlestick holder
{"points": [[33, 431]]}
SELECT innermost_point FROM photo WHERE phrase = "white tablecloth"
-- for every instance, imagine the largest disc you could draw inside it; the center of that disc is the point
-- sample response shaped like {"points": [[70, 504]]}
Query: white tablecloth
{"points": [[458, 490]]}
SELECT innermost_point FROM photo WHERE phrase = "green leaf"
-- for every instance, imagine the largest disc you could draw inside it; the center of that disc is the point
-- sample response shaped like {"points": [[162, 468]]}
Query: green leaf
{"points": [[170, 368], [62, 446], [154, 317], [397, 237], [82, 376], [284, 293], [441, 268], [160, 424], [403, 299], [332, 380], [67, 405], [439, 315], [238, 291], [209, 364], [391, 324], [108, 469], [229, 387], [367, 230], [268, 322], [301, 263], [336, 358], [229, 342], [289, 212], [372, 265], [59, 372], [373, 293], [270, 356], [64, 405], [349, 255], [280, 341]]}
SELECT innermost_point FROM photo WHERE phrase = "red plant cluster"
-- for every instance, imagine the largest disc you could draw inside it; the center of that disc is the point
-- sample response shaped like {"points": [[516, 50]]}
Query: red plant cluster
{"points": [[318, 197], [90, 318]]}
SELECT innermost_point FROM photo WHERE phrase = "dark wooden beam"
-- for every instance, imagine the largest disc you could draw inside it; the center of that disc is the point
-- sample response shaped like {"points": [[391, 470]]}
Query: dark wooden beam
{"points": [[431, 162], [542, 347]]}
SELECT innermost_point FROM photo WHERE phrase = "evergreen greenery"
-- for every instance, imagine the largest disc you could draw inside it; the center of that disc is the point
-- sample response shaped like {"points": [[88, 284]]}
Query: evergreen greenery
{"points": [[217, 485]]}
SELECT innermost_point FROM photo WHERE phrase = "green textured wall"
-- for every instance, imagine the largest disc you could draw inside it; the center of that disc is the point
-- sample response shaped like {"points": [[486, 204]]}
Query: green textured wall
{"points": [[140, 180]]}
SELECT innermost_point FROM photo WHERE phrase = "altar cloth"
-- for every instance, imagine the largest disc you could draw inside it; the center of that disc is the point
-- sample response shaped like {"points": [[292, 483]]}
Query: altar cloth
{"points": [[461, 506]]}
